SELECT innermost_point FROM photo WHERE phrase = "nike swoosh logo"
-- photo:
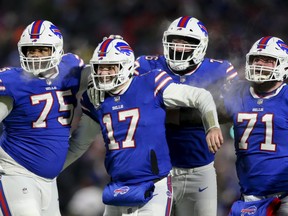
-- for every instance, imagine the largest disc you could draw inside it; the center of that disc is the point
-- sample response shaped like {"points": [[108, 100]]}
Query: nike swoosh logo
{"points": [[202, 189]]}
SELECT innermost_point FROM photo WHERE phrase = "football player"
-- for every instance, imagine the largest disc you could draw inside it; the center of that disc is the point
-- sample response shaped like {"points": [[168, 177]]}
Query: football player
{"points": [[258, 109], [132, 120], [193, 175], [37, 103]]}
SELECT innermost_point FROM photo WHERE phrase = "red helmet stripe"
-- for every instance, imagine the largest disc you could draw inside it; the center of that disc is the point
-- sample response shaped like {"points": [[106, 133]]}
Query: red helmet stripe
{"points": [[263, 42], [183, 21], [104, 46], [35, 31]]}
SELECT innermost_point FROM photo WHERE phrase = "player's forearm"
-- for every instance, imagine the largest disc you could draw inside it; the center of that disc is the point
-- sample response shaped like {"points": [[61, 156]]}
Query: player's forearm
{"points": [[188, 96], [81, 139], [6, 105]]}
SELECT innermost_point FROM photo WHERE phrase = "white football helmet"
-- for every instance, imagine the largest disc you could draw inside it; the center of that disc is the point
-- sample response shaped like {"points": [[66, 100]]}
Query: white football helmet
{"points": [[115, 52], [40, 33], [272, 47], [194, 32]]}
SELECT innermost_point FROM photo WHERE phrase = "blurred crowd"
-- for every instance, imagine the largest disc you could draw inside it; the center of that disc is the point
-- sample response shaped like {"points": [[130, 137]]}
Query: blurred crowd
{"points": [[233, 26]]}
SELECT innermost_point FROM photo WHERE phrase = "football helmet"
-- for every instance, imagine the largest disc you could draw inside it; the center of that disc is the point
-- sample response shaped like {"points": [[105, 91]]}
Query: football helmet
{"points": [[112, 52], [195, 33], [271, 47], [40, 33]]}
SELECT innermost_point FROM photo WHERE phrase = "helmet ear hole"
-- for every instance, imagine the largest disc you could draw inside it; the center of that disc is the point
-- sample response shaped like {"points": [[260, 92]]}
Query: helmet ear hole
{"points": [[24, 50]]}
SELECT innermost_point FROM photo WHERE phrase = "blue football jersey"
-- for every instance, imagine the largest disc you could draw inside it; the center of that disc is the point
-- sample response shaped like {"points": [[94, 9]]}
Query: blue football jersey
{"points": [[185, 132], [261, 131], [37, 130], [133, 128]]}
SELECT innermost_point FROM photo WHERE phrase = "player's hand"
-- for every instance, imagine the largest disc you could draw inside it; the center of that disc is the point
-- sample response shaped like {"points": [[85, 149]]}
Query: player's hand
{"points": [[214, 139], [96, 96], [113, 37]]}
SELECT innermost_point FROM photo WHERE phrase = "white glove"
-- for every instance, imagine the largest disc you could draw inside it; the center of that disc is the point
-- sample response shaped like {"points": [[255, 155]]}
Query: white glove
{"points": [[113, 37], [96, 96]]}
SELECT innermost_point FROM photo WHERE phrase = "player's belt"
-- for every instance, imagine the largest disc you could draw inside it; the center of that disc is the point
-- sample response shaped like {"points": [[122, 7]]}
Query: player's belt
{"points": [[186, 171]]}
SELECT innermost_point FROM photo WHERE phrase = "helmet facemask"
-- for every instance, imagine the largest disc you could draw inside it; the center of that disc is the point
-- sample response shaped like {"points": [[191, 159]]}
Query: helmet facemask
{"points": [[107, 82], [261, 73], [39, 65], [181, 53]]}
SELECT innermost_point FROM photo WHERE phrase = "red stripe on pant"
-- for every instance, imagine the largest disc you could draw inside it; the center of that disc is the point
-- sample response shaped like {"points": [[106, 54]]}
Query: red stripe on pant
{"points": [[3, 202], [169, 200]]}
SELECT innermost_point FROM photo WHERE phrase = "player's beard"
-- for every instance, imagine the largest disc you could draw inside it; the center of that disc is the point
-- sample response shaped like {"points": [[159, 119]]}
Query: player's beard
{"points": [[265, 87]]}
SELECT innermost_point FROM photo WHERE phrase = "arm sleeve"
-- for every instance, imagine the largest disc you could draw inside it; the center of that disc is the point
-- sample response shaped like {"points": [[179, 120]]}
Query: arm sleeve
{"points": [[189, 96], [84, 79], [6, 105], [81, 139]]}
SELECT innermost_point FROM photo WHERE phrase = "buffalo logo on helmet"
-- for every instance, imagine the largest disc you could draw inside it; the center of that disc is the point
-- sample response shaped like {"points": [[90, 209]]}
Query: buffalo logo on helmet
{"points": [[282, 45], [56, 31], [124, 48], [203, 28]]}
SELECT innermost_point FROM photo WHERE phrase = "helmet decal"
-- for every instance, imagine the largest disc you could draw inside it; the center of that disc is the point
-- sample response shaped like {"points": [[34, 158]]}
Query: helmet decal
{"points": [[183, 21], [103, 48], [35, 31], [203, 28], [263, 42], [56, 31], [124, 48], [282, 45]]}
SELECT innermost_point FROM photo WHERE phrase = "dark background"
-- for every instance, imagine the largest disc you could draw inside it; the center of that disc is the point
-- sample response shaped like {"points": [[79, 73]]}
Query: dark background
{"points": [[233, 26]]}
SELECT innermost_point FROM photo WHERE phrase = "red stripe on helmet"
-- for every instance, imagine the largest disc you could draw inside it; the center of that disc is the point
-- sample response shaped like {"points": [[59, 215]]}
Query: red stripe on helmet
{"points": [[35, 31], [263, 42], [104, 46], [183, 21]]}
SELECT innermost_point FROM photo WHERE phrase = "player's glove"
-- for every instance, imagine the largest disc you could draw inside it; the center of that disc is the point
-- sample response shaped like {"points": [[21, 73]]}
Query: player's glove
{"points": [[113, 37], [96, 96]]}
